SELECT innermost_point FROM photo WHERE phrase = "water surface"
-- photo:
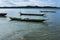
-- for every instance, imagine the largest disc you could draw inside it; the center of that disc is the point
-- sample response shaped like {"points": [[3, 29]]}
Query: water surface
{"points": [[17, 30]]}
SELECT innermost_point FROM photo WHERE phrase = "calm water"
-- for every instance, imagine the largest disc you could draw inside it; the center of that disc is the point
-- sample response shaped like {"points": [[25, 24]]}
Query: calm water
{"points": [[17, 30]]}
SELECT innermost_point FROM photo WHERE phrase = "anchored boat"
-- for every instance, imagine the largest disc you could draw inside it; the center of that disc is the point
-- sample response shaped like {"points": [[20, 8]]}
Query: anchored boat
{"points": [[48, 11], [32, 14], [3, 14], [27, 19]]}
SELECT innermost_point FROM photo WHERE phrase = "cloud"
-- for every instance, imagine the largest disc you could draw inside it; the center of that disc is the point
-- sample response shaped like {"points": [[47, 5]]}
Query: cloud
{"points": [[43, 2], [27, 2]]}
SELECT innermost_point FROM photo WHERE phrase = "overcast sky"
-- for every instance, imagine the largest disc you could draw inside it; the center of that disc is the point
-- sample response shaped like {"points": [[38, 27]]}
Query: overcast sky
{"points": [[29, 2]]}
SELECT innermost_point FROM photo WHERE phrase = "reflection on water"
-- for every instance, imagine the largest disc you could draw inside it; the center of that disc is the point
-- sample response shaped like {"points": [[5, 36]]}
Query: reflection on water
{"points": [[17, 30], [13, 30]]}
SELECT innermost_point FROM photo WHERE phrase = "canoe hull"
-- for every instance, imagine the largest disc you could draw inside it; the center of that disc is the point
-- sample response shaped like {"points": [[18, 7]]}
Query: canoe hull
{"points": [[3, 14], [29, 20], [49, 11], [32, 14]]}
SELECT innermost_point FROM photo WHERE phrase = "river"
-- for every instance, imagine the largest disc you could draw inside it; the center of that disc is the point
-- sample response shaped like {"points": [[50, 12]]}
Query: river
{"points": [[17, 30]]}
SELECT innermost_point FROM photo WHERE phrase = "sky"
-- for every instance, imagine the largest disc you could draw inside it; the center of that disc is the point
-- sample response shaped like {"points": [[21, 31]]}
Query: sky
{"points": [[29, 2]]}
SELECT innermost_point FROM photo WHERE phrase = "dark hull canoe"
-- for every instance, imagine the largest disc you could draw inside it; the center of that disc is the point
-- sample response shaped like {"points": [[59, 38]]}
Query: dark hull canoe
{"points": [[49, 11], [29, 20], [3, 14], [31, 14]]}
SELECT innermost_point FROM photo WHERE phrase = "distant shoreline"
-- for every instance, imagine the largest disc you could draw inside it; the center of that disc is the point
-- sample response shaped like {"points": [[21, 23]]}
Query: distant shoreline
{"points": [[31, 7]]}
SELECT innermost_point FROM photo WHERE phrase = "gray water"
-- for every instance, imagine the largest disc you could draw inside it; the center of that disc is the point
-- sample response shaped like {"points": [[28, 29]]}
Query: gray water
{"points": [[17, 30]]}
